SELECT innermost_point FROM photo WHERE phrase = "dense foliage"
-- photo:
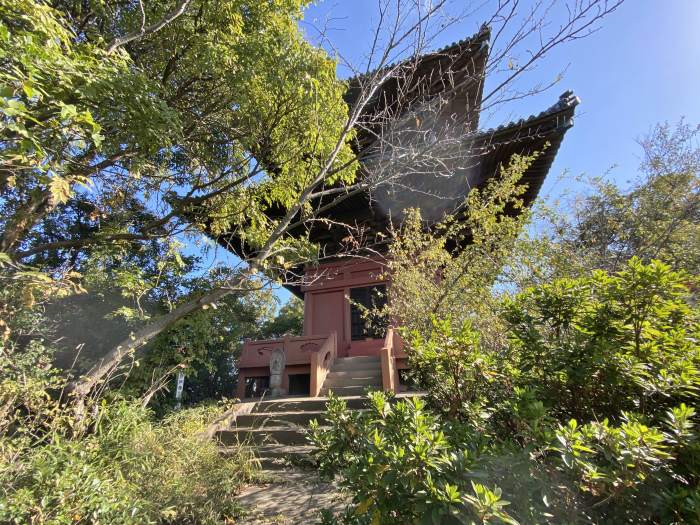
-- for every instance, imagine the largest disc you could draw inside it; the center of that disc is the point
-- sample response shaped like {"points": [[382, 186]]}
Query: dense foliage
{"points": [[206, 345], [128, 469], [119, 142], [127, 129], [224, 94], [561, 371], [124, 468], [116, 464], [593, 396]]}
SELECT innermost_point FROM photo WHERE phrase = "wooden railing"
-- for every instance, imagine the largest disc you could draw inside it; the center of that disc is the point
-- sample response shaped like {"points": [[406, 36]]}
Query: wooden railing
{"points": [[318, 351], [321, 363], [297, 350], [389, 378]]}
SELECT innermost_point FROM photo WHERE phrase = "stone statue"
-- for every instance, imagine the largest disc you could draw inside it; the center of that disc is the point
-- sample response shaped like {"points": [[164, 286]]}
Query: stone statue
{"points": [[277, 362]]}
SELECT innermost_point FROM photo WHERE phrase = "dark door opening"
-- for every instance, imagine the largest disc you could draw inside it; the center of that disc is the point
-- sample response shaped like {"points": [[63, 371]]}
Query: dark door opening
{"points": [[364, 319], [299, 384], [256, 386]]}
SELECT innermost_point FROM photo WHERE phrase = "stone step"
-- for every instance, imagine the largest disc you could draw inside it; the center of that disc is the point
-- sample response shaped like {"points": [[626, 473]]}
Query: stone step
{"points": [[342, 391], [356, 363], [267, 464], [353, 381], [283, 451], [308, 404], [356, 372], [276, 457], [279, 419], [266, 436], [359, 372], [358, 359]]}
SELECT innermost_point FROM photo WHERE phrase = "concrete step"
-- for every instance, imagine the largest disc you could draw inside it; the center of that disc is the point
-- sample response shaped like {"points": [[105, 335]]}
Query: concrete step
{"points": [[352, 381], [358, 359], [267, 464], [360, 372], [279, 419], [308, 404], [266, 436], [283, 451], [350, 375], [276, 457], [342, 391], [356, 363]]}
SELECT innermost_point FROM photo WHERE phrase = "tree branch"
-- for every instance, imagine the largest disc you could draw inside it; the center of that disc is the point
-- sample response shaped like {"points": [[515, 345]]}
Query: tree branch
{"points": [[153, 28], [79, 243]]}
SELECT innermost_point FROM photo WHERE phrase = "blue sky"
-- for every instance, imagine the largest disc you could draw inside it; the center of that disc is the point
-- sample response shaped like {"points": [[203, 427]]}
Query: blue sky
{"points": [[641, 68]]}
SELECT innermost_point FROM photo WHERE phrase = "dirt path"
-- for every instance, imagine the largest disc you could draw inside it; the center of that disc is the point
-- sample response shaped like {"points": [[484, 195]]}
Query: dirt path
{"points": [[294, 497]]}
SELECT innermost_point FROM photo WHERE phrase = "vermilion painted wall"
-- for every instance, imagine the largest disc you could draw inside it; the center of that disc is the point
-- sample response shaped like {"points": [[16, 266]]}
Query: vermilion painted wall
{"points": [[327, 302], [262, 371], [326, 310]]}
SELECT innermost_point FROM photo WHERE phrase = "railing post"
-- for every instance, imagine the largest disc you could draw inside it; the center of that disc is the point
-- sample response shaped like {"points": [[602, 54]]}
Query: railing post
{"points": [[319, 365], [314, 387], [388, 364]]}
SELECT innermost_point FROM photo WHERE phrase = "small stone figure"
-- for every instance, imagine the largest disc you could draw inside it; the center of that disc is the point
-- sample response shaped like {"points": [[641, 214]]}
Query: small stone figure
{"points": [[277, 362]]}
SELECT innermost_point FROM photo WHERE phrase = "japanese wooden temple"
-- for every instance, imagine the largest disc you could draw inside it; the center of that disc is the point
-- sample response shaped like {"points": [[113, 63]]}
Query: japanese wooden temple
{"points": [[337, 350]]}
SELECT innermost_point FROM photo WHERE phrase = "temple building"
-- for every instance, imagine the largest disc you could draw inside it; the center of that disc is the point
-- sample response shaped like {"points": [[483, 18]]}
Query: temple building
{"points": [[338, 350]]}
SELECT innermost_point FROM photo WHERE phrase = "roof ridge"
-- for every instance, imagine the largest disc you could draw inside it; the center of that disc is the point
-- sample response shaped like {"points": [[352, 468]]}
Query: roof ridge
{"points": [[483, 34], [567, 100]]}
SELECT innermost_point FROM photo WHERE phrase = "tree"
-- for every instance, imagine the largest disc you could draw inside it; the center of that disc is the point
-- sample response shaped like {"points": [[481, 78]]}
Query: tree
{"points": [[450, 271], [204, 346], [207, 344], [219, 115], [654, 217], [288, 321], [185, 124], [658, 216]]}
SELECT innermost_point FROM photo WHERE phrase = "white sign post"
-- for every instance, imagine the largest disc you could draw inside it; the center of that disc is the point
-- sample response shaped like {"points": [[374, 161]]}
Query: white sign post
{"points": [[178, 389]]}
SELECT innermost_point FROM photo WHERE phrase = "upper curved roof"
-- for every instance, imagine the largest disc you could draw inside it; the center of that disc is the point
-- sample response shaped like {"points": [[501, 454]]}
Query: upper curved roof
{"points": [[456, 73]]}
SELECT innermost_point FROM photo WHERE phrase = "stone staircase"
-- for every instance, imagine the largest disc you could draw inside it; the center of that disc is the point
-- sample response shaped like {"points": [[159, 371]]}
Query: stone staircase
{"points": [[277, 427], [353, 376]]}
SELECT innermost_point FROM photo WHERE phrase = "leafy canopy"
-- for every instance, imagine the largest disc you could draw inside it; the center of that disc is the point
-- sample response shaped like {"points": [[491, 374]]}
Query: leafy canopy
{"points": [[224, 114]]}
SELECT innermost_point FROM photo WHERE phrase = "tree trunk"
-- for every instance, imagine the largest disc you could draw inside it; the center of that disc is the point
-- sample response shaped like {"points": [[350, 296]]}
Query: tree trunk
{"points": [[82, 386], [27, 216]]}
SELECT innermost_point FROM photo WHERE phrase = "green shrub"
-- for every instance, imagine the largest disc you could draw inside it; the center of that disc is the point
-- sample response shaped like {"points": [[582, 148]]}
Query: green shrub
{"points": [[626, 470], [129, 469], [585, 416], [402, 466], [594, 347], [184, 476], [452, 364], [114, 464]]}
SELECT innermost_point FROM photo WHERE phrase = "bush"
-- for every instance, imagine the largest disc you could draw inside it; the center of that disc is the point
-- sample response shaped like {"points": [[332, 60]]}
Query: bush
{"points": [[114, 463], [401, 466], [585, 416], [184, 476], [129, 469], [631, 471], [593, 347]]}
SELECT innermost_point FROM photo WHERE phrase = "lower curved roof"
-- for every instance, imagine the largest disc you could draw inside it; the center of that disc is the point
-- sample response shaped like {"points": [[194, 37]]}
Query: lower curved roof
{"points": [[542, 133]]}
